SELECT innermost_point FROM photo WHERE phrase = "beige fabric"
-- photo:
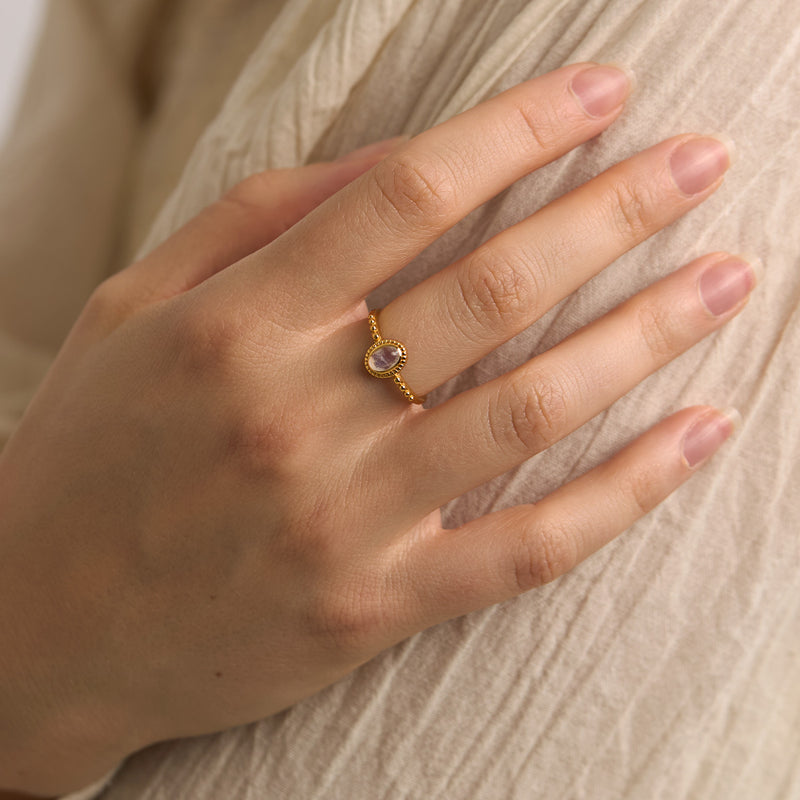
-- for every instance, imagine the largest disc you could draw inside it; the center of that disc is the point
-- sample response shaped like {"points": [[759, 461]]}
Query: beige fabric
{"points": [[667, 665]]}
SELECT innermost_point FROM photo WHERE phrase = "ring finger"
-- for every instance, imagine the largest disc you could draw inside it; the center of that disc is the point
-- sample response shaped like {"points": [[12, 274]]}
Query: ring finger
{"points": [[488, 430], [465, 311]]}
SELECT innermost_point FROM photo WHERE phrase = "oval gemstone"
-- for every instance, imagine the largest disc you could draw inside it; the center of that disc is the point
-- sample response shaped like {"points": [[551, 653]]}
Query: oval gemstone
{"points": [[384, 358]]}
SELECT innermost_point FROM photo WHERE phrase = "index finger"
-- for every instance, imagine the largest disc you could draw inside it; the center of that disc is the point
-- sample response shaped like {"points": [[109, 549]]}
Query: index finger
{"points": [[364, 234]]}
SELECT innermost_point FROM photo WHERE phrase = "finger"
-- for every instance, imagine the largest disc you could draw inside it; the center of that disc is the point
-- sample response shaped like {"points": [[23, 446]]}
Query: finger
{"points": [[465, 311], [492, 428], [511, 551], [253, 213], [381, 221]]}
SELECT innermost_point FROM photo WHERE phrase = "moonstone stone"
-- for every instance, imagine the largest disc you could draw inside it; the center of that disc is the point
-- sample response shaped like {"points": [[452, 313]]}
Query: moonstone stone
{"points": [[383, 358]]}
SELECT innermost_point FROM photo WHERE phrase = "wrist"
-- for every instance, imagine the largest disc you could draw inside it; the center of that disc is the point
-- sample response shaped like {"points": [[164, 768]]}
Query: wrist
{"points": [[50, 744], [50, 767], [56, 733], [68, 752]]}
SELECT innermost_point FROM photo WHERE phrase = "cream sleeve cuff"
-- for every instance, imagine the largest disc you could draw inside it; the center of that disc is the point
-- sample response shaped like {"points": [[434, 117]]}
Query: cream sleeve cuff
{"points": [[94, 790]]}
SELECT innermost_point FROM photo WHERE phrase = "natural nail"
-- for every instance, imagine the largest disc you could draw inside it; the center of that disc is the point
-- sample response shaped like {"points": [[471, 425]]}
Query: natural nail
{"points": [[707, 435], [602, 89], [696, 164], [725, 284]]}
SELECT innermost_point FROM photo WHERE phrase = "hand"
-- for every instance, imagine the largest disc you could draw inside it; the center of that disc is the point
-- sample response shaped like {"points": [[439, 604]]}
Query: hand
{"points": [[212, 511]]}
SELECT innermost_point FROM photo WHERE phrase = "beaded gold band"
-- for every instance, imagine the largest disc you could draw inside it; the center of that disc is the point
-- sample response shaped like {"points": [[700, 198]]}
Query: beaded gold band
{"points": [[386, 357]]}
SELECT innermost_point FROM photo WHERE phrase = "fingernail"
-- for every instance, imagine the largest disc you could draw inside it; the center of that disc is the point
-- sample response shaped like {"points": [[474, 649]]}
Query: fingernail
{"points": [[725, 284], [375, 150], [696, 164], [600, 90], [707, 435]]}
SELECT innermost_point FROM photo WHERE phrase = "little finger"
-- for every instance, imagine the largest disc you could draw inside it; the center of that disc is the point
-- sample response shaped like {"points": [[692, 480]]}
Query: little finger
{"points": [[509, 552]]}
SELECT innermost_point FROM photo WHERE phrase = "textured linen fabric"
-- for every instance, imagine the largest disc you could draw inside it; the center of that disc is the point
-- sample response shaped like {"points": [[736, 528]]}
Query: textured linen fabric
{"points": [[666, 665]]}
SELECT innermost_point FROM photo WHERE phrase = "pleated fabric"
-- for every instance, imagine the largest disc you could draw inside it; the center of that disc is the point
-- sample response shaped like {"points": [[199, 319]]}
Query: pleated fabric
{"points": [[665, 666]]}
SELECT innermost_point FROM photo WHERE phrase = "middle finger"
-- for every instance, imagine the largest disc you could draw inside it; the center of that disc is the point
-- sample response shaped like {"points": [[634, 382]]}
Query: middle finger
{"points": [[465, 311]]}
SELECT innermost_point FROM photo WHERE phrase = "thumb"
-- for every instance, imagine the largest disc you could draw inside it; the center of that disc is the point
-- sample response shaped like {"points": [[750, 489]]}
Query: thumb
{"points": [[245, 219]]}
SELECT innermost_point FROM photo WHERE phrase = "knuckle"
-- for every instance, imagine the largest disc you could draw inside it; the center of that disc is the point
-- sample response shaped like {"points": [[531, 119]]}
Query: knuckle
{"points": [[349, 617], [540, 124], [419, 193], [497, 294], [658, 330], [107, 304], [206, 342], [276, 444], [265, 449], [252, 199], [532, 417], [645, 488], [633, 210], [249, 194], [546, 552]]}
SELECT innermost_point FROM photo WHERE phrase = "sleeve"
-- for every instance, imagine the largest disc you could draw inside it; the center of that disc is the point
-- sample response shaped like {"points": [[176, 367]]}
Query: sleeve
{"points": [[90, 792], [62, 178]]}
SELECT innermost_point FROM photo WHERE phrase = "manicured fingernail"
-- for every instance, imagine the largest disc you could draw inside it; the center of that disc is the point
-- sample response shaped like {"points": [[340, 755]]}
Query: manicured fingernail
{"points": [[602, 89], [373, 151], [696, 164], [725, 284], [707, 435]]}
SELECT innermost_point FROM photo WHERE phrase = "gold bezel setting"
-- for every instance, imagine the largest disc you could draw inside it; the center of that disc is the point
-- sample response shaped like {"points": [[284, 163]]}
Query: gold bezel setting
{"points": [[392, 370]]}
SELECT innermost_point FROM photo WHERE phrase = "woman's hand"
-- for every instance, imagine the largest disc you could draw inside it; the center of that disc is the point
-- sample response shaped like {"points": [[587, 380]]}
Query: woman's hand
{"points": [[211, 510]]}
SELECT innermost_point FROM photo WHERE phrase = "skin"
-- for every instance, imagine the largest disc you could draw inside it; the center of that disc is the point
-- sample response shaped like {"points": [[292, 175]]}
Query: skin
{"points": [[211, 511]]}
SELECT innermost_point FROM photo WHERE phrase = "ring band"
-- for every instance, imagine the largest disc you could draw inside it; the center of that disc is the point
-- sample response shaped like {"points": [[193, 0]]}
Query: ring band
{"points": [[386, 357]]}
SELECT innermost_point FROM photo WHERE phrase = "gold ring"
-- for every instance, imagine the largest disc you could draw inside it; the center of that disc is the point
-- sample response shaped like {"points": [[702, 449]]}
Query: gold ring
{"points": [[386, 357]]}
